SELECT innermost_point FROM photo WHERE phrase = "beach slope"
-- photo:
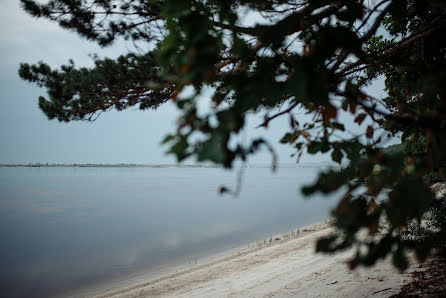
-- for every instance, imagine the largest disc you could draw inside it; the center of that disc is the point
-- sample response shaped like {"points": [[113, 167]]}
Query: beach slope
{"points": [[285, 267]]}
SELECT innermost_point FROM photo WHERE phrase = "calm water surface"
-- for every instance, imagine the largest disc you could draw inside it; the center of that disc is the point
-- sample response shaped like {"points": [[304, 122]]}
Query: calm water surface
{"points": [[67, 228]]}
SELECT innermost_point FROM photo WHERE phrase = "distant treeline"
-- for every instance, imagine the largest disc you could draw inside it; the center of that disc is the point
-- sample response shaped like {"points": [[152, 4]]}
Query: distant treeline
{"points": [[133, 165], [120, 165]]}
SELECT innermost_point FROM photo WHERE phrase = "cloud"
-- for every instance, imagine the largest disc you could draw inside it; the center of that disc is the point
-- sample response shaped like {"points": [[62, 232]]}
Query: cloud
{"points": [[27, 39]]}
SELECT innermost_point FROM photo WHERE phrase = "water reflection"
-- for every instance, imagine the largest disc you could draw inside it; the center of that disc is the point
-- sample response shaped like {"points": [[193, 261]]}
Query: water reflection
{"points": [[62, 228]]}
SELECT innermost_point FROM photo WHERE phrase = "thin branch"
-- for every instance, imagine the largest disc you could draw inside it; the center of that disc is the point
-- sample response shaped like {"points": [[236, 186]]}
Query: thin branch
{"points": [[408, 41], [376, 24], [354, 70], [350, 66], [371, 13], [268, 119]]}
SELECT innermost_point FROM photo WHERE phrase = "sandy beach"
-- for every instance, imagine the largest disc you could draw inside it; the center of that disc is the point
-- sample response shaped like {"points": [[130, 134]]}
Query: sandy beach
{"points": [[286, 266]]}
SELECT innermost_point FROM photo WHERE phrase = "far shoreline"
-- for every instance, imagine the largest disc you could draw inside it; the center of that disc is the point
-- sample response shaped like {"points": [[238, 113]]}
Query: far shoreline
{"points": [[177, 165], [87, 165]]}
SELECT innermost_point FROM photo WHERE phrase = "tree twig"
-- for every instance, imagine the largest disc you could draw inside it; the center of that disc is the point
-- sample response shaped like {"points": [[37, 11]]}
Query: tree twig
{"points": [[268, 119]]}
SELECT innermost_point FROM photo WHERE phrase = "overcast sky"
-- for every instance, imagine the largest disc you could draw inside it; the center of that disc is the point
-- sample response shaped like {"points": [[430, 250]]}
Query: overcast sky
{"points": [[131, 136]]}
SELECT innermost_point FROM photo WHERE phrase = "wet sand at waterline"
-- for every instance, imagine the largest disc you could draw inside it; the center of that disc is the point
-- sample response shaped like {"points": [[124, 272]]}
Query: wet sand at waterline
{"points": [[283, 266]]}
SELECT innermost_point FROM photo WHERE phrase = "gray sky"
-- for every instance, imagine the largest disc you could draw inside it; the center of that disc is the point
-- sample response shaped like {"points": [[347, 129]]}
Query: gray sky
{"points": [[131, 136]]}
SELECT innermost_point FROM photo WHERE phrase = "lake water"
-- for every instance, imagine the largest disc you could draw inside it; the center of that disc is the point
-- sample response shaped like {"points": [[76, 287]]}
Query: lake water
{"points": [[68, 228]]}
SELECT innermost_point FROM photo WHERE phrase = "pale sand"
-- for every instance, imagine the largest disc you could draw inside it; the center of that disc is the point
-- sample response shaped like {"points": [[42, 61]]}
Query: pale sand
{"points": [[284, 268]]}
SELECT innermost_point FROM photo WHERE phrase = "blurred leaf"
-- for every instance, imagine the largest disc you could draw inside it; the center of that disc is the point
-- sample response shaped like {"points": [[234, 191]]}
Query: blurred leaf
{"points": [[360, 118], [314, 147], [325, 244], [329, 112], [337, 155], [369, 132]]}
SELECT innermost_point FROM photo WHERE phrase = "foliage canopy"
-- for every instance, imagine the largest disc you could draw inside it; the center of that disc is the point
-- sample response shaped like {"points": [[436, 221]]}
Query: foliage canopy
{"points": [[315, 55]]}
